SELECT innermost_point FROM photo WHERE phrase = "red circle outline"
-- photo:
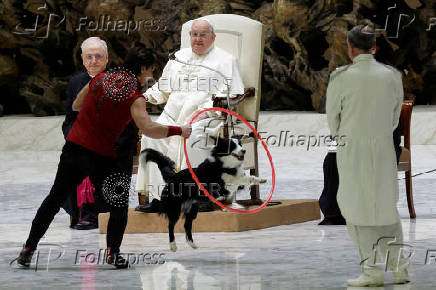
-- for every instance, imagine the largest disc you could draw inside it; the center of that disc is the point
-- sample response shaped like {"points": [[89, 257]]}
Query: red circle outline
{"points": [[194, 176]]}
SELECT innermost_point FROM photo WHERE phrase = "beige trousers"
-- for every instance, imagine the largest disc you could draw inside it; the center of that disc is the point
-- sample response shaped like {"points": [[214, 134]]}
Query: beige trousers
{"points": [[381, 248]]}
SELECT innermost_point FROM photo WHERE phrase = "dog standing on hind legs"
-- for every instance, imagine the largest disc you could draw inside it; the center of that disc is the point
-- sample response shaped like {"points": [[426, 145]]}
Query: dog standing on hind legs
{"points": [[221, 174]]}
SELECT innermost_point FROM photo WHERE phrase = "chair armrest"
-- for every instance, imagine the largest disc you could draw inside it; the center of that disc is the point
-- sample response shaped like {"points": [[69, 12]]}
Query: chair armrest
{"points": [[222, 101]]}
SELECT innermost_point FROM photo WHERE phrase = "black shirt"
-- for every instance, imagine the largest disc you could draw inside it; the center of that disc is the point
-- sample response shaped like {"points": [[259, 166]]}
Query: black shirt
{"points": [[76, 83]]}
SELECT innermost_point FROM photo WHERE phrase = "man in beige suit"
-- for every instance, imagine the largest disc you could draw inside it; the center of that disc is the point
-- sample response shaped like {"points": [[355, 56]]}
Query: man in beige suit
{"points": [[364, 103]]}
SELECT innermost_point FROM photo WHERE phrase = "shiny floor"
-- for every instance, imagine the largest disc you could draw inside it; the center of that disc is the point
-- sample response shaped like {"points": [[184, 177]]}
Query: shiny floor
{"points": [[300, 256]]}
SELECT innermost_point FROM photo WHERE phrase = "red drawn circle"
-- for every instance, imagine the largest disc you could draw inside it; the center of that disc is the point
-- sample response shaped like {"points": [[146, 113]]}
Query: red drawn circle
{"points": [[194, 176]]}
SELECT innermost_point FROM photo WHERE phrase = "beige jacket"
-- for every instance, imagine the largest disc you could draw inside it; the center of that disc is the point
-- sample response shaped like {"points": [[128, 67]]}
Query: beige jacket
{"points": [[364, 102]]}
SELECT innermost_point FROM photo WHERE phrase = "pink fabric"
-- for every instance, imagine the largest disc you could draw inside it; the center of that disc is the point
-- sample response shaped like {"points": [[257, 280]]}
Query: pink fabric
{"points": [[85, 192]]}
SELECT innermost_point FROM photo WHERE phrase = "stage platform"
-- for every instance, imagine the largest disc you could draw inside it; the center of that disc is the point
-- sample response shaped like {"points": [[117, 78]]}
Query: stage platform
{"points": [[288, 212]]}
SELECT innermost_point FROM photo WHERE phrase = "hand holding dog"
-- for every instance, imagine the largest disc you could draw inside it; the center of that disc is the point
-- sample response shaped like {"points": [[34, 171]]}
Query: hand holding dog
{"points": [[186, 131]]}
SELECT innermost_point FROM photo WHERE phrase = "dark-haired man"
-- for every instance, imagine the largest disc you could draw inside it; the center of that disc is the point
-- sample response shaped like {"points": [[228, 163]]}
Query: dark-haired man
{"points": [[364, 103], [106, 106]]}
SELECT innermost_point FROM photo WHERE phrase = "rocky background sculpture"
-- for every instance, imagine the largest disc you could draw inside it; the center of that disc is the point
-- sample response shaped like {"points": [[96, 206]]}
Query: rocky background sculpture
{"points": [[304, 42]]}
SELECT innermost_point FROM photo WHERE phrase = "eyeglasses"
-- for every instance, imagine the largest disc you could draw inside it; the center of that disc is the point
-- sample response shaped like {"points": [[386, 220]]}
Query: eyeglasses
{"points": [[199, 34], [97, 57]]}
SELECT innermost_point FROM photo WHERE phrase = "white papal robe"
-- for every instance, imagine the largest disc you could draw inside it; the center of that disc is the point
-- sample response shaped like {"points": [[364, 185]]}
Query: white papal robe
{"points": [[186, 89]]}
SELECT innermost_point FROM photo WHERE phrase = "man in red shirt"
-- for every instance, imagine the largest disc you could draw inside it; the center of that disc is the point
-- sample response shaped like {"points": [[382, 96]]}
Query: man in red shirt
{"points": [[106, 106]]}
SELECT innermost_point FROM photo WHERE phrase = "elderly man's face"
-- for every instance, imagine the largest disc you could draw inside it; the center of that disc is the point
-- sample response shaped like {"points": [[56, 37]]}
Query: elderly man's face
{"points": [[201, 36], [94, 58]]}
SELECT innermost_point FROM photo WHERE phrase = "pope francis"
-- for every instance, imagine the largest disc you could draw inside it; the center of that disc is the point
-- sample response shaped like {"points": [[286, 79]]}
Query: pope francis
{"points": [[364, 102], [186, 86]]}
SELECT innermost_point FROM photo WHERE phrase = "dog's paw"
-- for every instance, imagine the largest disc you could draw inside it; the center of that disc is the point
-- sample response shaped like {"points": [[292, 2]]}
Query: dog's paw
{"points": [[173, 246], [221, 198], [257, 180], [192, 244], [236, 205]]}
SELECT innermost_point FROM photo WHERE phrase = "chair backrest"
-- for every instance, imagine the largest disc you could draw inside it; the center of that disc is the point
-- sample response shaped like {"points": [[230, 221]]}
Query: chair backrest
{"points": [[405, 119], [244, 39]]}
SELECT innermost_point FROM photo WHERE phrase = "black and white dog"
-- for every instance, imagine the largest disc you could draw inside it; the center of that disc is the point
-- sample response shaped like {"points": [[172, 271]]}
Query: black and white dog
{"points": [[221, 174]]}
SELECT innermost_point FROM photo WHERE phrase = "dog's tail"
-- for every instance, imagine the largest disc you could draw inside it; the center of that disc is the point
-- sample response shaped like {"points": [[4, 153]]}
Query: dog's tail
{"points": [[165, 164]]}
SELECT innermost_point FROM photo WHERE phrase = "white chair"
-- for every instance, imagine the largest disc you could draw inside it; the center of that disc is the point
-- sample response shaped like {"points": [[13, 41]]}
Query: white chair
{"points": [[244, 39]]}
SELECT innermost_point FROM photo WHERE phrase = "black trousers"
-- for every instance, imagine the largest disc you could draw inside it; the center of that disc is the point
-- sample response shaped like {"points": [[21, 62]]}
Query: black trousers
{"points": [[327, 201], [77, 162], [89, 212]]}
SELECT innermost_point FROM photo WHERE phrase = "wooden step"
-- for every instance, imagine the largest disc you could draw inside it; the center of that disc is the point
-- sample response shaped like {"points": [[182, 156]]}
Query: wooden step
{"points": [[288, 212]]}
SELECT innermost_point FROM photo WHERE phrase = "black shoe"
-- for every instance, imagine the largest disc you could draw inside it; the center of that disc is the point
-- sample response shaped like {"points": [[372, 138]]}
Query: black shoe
{"points": [[152, 207], [333, 221], [326, 222], [25, 257], [73, 223], [340, 220], [86, 225], [116, 260]]}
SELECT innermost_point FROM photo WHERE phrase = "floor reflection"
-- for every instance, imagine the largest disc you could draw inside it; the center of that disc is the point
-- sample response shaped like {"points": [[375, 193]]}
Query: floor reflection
{"points": [[223, 274]]}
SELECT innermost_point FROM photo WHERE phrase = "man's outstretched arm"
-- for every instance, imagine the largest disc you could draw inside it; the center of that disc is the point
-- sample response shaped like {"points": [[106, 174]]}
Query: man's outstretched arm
{"points": [[153, 129]]}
